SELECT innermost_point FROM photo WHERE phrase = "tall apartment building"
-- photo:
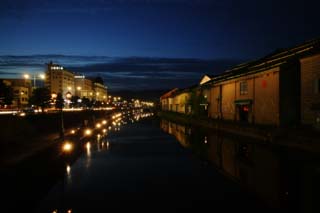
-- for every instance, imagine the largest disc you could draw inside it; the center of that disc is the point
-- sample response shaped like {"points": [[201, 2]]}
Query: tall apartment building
{"points": [[83, 87], [59, 80]]}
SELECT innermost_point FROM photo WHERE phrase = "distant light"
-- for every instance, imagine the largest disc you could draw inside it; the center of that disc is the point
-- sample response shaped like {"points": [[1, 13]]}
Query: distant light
{"points": [[73, 131], [88, 132], [98, 125], [88, 145], [67, 147], [26, 76], [68, 170]]}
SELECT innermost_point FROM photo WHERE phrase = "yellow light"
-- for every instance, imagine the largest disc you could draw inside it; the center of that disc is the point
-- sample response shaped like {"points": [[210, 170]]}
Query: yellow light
{"points": [[53, 95], [88, 132], [42, 76], [67, 147], [22, 114], [88, 145], [98, 125], [73, 131], [26, 76], [69, 88], [78, 88], [104, 130], [68, 170], [104, 122]]}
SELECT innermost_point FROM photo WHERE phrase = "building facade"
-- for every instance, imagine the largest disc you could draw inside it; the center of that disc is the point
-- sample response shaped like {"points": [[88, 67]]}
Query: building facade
{"points": [[22, 91], [100, 92], [280, 89], [59, 80], [310, 90], [83, 87]]}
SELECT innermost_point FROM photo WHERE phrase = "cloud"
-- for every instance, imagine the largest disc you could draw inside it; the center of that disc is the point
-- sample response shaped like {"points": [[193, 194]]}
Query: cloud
{"points": [[123, 72]]}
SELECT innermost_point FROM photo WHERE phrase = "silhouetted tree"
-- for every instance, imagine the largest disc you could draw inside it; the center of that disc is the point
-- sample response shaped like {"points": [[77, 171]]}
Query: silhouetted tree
{"points": [[196, 99], [41, 97], [6, 94], [59, 101], [74, 101], [86, 102]]}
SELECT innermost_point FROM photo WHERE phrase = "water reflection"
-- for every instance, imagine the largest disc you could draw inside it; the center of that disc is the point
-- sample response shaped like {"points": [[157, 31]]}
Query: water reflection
{"points": [[282, 178]]}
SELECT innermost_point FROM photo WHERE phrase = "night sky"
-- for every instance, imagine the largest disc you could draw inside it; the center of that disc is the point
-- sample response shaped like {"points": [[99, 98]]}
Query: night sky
{"points": [[148, 44]]}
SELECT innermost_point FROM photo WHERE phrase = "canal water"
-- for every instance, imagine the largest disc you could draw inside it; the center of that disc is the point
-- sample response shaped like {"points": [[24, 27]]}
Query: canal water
{"points": [[146, 164]]}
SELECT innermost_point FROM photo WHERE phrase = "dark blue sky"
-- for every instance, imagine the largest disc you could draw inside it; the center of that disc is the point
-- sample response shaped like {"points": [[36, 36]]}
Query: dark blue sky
{"points": [[225, 30]]}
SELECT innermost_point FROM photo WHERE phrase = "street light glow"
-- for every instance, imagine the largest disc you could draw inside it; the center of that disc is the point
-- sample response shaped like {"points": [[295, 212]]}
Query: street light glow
{"points": [[26, 76], [67, 147]]}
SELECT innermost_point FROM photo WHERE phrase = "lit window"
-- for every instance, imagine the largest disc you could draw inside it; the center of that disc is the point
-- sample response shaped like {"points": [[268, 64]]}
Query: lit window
{"points": [[243, 88]]}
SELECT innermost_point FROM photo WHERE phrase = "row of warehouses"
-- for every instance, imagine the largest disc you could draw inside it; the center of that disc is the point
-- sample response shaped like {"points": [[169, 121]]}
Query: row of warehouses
{"points": [[280, 89]]}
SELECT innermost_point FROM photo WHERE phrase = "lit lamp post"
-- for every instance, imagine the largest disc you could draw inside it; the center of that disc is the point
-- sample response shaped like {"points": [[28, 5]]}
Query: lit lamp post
{"points": [[39, 76], [68, 96]]}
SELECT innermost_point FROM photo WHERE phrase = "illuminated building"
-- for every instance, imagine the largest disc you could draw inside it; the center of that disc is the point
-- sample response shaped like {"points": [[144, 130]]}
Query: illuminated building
{"points": [[59, 80]]}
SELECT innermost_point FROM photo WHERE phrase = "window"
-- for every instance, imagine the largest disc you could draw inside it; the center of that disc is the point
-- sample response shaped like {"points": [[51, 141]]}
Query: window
{"points": [[243, 88], [316, 86]]}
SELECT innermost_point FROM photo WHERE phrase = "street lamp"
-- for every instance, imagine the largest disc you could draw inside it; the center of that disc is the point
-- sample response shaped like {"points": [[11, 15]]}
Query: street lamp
{"points": [[39, 76]]}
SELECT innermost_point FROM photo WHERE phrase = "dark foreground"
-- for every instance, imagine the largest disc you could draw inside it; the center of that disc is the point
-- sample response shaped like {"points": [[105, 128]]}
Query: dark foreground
{"points": [[138, 167]]}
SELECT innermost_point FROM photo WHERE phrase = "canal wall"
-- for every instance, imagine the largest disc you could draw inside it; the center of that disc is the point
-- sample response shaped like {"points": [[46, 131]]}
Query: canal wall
{"points": [[22, 136], [302, 138], [259, 133]]}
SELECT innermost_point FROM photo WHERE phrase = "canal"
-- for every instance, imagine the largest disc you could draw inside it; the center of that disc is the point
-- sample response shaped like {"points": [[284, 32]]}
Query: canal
{"points": [[146, 164]]}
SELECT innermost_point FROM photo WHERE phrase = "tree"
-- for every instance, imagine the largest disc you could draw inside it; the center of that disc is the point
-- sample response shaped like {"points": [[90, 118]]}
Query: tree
{"points": [[86, 102], [74, 101], [6, 94], [196, 100], [59, 101], [41, 97]]}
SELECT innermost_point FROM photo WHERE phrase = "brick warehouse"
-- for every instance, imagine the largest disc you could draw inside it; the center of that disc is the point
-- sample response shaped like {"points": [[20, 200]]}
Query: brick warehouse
{"points": [[280, 89]]}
